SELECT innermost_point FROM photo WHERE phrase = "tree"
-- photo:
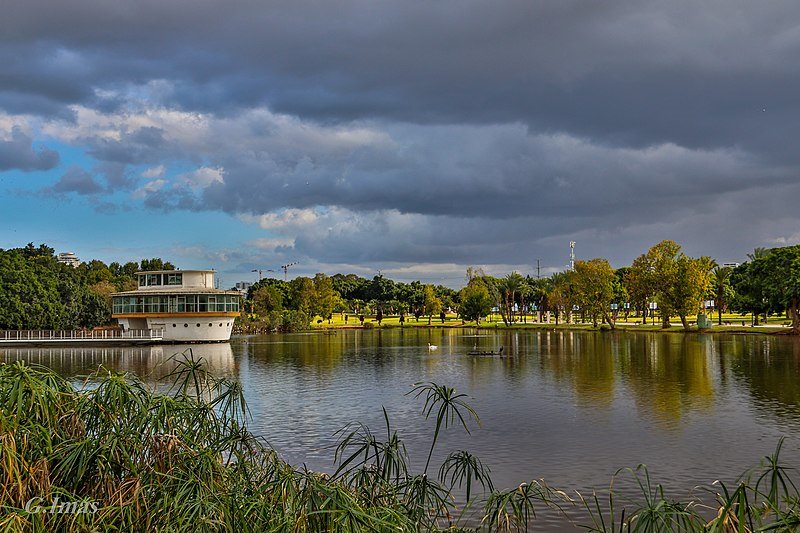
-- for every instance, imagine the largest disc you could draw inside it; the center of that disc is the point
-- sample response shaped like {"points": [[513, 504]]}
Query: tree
{"points": [[325, 297], [780, 271], [560, 297], [432, 305], [691, 281], [678, 282], [301, 300], [381, 289], [652, 275], [748, 285], [593, 289], [476, 302], [267, 300], [510, 285], [758, 253], [540, 290], [621, 297], [638, 285], [156, 263], [721, 290], [104, 289]]}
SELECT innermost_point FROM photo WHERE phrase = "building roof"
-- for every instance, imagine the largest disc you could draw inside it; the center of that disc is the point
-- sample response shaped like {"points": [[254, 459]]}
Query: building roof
{"points": [[176, 271]]}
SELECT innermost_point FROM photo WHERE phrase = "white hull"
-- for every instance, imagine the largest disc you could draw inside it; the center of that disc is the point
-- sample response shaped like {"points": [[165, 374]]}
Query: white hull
{"points": [[185, 329]]}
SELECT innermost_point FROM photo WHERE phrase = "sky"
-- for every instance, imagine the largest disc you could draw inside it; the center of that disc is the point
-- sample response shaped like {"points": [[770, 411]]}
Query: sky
{"points": [[411, 138]]}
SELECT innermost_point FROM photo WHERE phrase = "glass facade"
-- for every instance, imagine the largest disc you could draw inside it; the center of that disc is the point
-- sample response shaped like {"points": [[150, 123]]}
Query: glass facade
{"points": [[149, 280], [169, 303]]}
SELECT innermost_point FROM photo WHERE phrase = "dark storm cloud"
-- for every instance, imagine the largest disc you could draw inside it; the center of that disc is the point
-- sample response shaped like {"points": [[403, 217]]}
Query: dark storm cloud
{"points": [[628, 72], [488, 128], [497, 172], [19, 153]]}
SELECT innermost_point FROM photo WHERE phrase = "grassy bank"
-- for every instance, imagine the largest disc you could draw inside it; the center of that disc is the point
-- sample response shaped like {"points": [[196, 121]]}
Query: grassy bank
{"points": [[731, 324], [131, 459]]}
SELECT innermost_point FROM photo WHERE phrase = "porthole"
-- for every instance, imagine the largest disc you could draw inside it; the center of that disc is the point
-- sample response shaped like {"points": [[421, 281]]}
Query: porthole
{"points": [[229, 324], [174, 325], [198, 325], [220, 324], [186, 325], [210, 324]]}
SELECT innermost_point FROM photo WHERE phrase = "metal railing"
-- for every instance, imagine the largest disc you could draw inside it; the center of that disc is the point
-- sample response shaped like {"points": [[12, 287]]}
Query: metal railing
{"points": [[80, 335]]}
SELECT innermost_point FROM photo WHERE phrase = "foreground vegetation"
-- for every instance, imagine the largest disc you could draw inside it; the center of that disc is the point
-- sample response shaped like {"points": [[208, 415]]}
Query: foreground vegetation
{"points": [[183, 459]]}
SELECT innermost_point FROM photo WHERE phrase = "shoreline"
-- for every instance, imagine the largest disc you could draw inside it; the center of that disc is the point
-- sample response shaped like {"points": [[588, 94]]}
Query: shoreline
{"points": [[768, 329]]}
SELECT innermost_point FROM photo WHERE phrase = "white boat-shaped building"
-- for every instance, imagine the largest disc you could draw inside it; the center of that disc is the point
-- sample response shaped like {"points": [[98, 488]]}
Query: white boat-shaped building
{"points": [[182, 303]]}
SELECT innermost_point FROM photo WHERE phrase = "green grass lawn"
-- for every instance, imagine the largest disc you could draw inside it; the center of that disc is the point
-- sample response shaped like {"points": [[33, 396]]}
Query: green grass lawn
{"points": [[731, 323]]}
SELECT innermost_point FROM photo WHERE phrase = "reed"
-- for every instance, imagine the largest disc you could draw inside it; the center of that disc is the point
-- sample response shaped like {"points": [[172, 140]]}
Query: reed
{"points": [[184, 459]]}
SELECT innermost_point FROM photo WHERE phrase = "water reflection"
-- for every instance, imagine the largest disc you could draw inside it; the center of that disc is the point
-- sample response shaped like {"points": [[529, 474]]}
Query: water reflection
{"points": [[151, 363], [571, 407]]}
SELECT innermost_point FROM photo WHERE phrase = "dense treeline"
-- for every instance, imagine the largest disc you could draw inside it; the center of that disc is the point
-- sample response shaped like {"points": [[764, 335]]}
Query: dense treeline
{"points": [[663, 282], [292, 305], [38, 292]]}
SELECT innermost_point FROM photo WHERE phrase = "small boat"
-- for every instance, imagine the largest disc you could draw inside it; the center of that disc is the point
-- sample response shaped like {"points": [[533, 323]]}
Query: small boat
{"points": [[489, 353]]}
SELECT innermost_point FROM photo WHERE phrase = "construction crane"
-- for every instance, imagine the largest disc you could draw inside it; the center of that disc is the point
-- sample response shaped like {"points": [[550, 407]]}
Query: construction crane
{"points": [[259, 270], [286, 269]]}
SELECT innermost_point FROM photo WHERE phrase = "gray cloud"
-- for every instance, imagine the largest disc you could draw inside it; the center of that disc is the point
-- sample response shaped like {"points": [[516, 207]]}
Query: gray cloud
{"points": [[76, 180], [629, 72], [440, 132], [19, 153]]}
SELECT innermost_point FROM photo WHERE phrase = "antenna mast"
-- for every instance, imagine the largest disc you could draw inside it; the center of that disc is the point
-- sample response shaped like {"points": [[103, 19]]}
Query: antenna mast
{"points": [[572, 255]]}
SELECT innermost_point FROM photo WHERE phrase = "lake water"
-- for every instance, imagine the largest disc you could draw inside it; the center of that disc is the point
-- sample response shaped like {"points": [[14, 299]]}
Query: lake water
{"points": [[569, 407]]}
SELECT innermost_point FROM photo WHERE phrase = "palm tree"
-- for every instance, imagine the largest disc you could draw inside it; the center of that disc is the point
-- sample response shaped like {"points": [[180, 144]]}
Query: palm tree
{"points": [[758, 253], [524, 290], [723, 292], [512, 283]]}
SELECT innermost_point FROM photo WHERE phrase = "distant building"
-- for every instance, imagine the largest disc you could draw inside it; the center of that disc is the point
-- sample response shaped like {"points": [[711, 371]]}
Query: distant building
{"points": [[243, 287], [69, 258]]}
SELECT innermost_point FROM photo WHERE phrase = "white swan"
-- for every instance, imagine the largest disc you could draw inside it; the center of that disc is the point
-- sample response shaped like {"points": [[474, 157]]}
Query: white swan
{"points": [[432, 346]]}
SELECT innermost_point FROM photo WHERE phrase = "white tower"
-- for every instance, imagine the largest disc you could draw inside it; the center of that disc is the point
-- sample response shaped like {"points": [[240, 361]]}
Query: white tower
{"points": [[572, 255]]}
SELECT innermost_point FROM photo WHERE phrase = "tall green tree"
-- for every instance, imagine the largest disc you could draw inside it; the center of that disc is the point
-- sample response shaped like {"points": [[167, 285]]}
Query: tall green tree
{"points": [[432, 305], [510, 286], [476, 302], [780, 271], [750, 296], [560, 297], [325, 297], [593, 289], [722, 290], [678, 282], [690, 283]]}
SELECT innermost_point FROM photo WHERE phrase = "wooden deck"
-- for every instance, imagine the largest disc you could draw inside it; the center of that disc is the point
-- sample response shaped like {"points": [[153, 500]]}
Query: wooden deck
{"points": [[116, 336]]}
